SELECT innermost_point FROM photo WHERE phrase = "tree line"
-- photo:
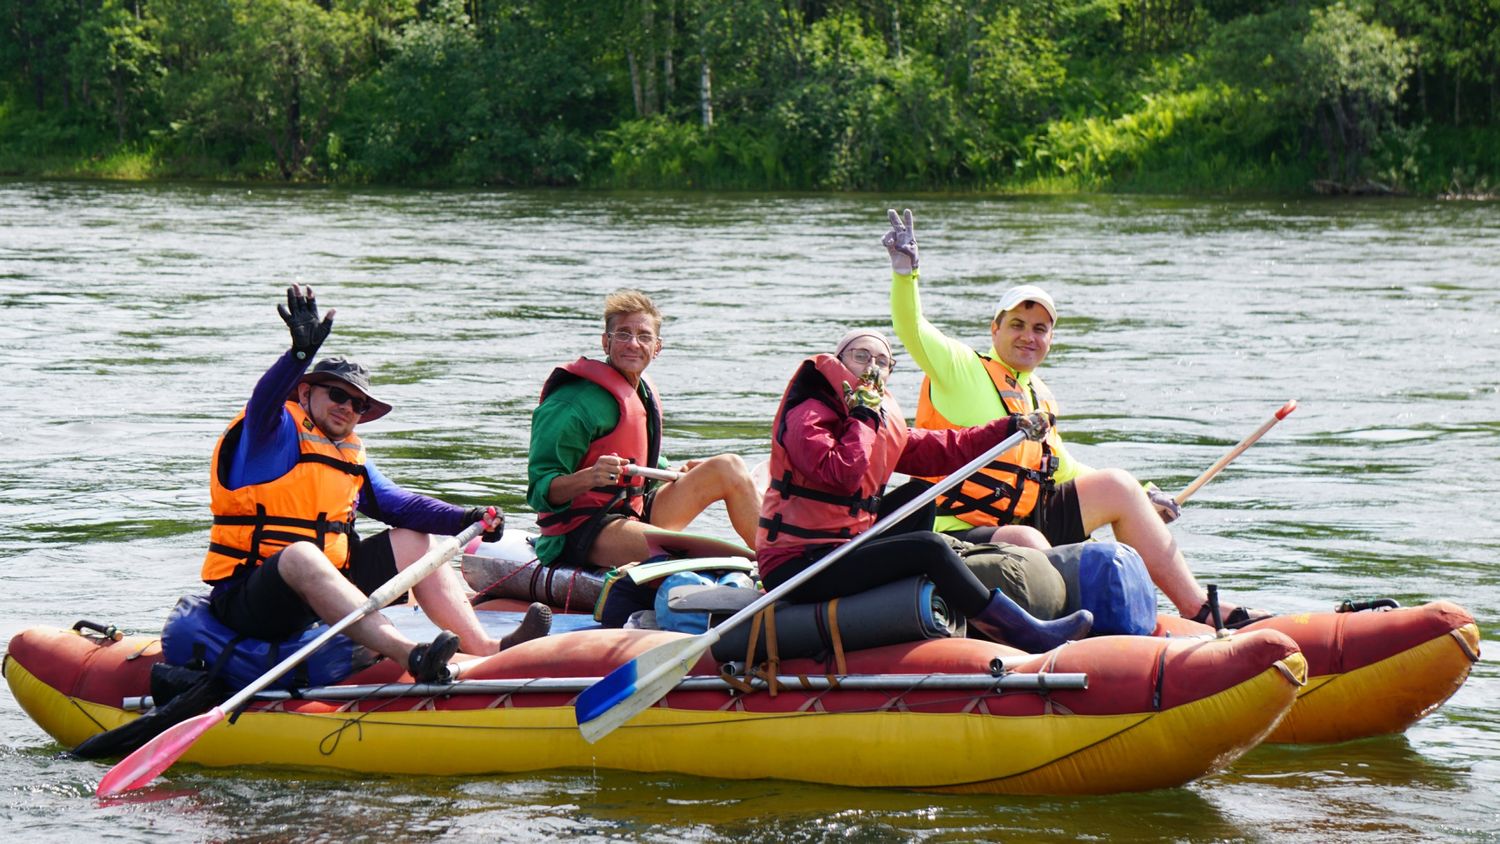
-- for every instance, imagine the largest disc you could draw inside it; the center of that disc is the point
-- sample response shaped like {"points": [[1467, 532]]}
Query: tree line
{"points": [[761, 94]]}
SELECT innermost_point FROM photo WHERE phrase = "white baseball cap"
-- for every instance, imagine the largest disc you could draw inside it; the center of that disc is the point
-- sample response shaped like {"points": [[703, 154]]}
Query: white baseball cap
{"points": [[1026, 293]]}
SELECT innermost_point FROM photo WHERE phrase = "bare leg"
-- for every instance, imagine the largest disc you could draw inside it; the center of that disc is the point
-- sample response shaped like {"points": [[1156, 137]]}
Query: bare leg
{"points": [[720, 478], [723, 477], [621, 541], [310, 574], [1113, 497], [442, 596], [1022, 535]]}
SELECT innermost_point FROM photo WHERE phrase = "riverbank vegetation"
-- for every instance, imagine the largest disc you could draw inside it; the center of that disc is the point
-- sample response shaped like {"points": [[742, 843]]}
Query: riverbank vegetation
{"points": [[1047, 95]]}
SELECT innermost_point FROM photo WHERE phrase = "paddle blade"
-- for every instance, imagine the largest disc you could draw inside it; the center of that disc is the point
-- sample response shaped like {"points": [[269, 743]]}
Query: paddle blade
{"points": [[633, 687], [157, 755]]}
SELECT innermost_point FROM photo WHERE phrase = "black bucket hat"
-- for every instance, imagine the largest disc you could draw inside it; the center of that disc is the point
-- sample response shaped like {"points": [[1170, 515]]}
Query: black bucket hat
{"points": [[350, 372]]}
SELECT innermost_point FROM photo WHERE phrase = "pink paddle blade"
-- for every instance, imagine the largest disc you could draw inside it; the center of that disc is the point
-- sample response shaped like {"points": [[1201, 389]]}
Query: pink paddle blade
{"points": [[157, 755]]}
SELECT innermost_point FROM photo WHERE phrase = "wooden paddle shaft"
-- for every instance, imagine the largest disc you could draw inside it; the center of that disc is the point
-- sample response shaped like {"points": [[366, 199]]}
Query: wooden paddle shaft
{"points": [[1245, 443]]}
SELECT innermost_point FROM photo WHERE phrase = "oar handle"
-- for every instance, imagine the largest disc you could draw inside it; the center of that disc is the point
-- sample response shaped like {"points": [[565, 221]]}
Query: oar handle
{"points": [[653, 474], [389, 591], [1245, 443]]}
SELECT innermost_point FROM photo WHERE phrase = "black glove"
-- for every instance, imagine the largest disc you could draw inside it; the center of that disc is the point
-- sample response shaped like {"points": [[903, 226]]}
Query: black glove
{"points": [[497, 530], [301, 316]]}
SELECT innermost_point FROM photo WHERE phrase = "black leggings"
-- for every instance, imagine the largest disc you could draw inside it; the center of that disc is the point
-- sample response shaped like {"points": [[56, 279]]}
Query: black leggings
{"points": [[886, 559]]}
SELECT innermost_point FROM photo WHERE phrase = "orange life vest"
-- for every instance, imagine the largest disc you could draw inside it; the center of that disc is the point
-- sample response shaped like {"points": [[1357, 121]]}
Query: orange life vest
{"points": [[1010, 487], [314, 502], [636, 438], [797, 510]]}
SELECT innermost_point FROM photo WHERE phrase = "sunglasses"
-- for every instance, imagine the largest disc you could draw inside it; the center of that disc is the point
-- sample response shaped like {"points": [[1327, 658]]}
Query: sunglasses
{"points": [[338, 395]]}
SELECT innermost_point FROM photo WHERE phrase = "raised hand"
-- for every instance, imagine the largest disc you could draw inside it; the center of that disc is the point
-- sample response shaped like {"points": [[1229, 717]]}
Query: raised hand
{"points": [[901, 242], [300, 313]]}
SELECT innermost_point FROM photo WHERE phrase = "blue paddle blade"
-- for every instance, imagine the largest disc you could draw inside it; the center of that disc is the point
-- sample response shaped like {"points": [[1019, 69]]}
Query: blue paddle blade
{"points": [[638, 684], [603, 695]]}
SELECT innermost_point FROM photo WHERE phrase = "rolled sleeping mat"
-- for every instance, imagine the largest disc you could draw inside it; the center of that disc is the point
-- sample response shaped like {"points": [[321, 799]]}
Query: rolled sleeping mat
{"points": [[1109, 580], [907, 610], [498, 570], [1024, 574]]}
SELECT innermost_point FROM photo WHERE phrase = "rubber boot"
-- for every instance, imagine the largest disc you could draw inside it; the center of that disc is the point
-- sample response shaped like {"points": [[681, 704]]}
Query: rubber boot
{"points": [[1005, 621], [536, 624]]}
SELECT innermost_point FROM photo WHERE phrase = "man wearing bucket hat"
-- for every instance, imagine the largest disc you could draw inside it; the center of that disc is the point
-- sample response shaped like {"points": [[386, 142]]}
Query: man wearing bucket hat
{"points": [[289, 475], [1038, 493]]}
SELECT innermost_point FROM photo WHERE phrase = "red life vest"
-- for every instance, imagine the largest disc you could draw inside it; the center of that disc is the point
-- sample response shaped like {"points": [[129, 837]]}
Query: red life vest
{"points": [[798, 510], [314, 502], [1010, 487], [636, 438]]}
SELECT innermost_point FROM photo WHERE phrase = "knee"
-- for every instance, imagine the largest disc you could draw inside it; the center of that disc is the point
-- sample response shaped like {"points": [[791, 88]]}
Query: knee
{"points": [[1116, 486], [727, 470], [1120, 480], [1022, 535], [301, 559]]}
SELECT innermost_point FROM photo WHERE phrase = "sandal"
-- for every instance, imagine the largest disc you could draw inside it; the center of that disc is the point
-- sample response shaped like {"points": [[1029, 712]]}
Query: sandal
{"points": [[1237, 617], [429, 663]]}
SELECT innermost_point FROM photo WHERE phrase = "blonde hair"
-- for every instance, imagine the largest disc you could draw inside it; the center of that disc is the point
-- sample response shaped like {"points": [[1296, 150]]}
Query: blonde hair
{"points": [[627, 301]]}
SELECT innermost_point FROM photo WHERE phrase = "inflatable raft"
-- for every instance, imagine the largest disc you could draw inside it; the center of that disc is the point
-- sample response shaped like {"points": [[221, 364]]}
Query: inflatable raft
{"points": [[1371, 672], [1102, 715]]}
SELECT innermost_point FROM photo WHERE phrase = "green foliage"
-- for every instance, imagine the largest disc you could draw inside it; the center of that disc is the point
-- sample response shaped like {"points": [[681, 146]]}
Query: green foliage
{"points": [[760, 94]]}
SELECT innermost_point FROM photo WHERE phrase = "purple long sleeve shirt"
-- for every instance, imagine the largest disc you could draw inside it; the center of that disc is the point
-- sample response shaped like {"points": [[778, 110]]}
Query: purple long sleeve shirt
{"points": [[268, 448]]}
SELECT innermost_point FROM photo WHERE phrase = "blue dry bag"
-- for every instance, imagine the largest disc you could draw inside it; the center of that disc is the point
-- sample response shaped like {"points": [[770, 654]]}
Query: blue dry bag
{"points": [[194, 635]]}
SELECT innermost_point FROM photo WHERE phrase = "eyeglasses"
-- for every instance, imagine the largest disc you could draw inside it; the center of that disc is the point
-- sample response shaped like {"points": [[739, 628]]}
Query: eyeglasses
{"points": [[622, 336], [863, 358], [338, 395]]}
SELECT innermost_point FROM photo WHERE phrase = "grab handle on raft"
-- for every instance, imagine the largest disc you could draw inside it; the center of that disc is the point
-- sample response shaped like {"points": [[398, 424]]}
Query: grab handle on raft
{"points": [[1361, 606], [106, 631]]}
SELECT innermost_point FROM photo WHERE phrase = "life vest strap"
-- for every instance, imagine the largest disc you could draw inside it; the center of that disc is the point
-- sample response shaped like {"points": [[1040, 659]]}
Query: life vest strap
{"points": [[776, 526], [345, 466], [279, 521], [855, 503], [624, 495]]}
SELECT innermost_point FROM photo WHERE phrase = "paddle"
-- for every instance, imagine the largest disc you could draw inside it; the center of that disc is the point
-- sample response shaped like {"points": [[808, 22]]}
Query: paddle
{"points": [[158, 754], [639, 683], [1245, 443]]}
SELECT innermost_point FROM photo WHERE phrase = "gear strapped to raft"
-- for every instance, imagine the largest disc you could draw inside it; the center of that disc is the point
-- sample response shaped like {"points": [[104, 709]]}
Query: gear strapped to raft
{"points": [[194, 636], [908, 610]]}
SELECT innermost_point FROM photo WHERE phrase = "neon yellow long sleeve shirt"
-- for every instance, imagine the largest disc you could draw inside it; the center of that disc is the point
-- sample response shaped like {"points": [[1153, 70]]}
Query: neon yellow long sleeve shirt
{"points": [[961, 388]]}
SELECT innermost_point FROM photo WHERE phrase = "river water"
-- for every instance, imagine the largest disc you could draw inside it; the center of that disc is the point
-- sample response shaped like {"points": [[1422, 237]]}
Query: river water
{"points": [[137, 318]]}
